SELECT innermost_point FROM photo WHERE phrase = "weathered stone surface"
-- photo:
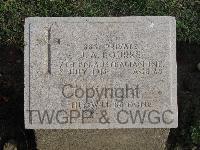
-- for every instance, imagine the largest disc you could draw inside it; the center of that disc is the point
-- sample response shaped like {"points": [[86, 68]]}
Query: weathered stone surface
{"points": [[100, 73], [112, 139]]}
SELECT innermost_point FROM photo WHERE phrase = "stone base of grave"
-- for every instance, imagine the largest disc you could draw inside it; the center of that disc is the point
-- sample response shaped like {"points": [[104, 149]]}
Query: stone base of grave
{"points": [[112, 139]]}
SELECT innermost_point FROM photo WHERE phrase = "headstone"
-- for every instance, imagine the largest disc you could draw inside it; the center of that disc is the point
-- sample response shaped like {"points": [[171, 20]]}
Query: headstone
{"points": [[100, 73]]}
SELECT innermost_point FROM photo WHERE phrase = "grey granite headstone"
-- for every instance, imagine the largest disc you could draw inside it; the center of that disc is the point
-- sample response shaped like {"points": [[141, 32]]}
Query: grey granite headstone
{"points": [[100, 73]]}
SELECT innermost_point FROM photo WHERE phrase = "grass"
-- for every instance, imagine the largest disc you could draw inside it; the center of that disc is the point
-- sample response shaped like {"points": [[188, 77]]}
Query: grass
{"points": [[13, 12], [196, 134]]}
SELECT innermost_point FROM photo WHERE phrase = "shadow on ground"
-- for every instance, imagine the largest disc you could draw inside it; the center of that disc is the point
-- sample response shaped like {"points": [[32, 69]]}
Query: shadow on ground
{"points": [[12, 101], [188, 56]]}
